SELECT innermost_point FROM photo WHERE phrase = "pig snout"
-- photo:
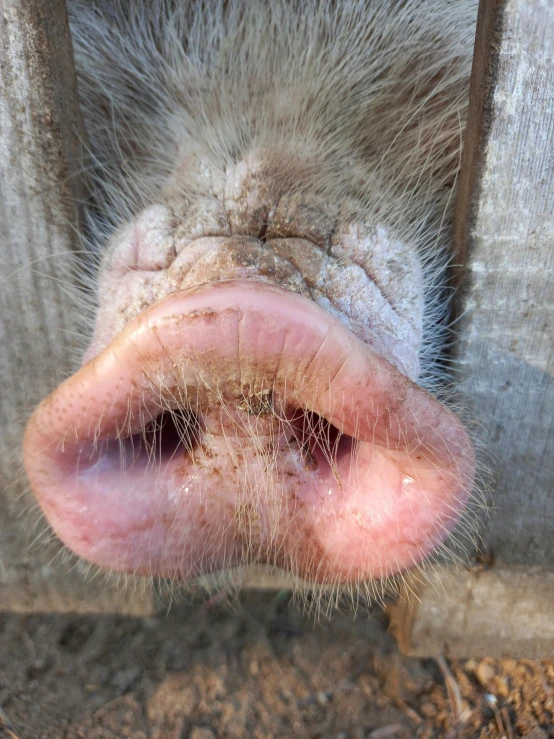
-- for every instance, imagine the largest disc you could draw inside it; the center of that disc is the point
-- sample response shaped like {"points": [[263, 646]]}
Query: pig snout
{"points": [[250, 396]]}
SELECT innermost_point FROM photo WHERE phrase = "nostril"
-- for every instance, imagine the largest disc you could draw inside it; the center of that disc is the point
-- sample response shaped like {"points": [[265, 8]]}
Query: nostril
{"points": [[316, 435], [173, 432]]}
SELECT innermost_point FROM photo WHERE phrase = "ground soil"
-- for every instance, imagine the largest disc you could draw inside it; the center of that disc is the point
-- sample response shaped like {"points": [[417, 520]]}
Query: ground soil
{"points": [[258, 668]]}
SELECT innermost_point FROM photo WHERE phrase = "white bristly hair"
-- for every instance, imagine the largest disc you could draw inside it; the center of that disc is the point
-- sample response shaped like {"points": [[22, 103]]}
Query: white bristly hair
{"points": [[373, 91]]}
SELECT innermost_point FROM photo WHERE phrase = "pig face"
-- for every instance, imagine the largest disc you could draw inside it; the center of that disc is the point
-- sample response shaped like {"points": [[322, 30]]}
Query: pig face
{"points": [[267, 296]]}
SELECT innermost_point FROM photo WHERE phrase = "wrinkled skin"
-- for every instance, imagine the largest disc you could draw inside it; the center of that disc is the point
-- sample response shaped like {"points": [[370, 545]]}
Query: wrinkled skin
{"points": [[268, 298]]}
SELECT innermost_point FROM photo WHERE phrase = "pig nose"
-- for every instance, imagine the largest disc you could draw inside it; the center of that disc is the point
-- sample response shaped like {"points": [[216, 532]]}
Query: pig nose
{"points": [[240, 423]]}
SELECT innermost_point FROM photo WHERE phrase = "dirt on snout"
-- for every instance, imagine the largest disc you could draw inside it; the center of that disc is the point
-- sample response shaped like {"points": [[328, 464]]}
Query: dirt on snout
{"points": [[258, 668]]}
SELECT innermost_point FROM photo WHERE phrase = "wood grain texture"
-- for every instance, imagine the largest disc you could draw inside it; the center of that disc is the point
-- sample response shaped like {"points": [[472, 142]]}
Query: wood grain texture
{"points": [[41, 141], [506, 224], [504, 236], [505, 611], [505, 240]]}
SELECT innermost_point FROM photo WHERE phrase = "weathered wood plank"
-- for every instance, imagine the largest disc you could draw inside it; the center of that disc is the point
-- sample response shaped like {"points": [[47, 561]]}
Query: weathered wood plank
{"points": [[504, 233], [41, 138], [506, 611], [506, 348], [505, 238]]}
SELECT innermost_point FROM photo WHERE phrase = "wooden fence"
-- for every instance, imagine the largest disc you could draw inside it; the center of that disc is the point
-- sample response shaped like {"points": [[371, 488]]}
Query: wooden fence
{"points": [[505, 352]]}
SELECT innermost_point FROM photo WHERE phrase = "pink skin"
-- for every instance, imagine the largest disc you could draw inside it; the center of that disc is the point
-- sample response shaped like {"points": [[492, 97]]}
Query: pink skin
{"points": [[397, 481], [258, 316], [358, 272]]}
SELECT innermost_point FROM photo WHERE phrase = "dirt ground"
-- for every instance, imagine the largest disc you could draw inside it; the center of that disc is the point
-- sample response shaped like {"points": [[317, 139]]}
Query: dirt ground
{"points": [[257, 669]]}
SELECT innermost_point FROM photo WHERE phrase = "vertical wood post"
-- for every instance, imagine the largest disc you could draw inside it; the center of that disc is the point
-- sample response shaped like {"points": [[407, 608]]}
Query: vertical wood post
{"points": [[504, 235], [41, 145]]}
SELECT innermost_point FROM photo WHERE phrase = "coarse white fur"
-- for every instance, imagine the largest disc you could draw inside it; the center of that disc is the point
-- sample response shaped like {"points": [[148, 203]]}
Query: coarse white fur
{"points": [[373, 93]]}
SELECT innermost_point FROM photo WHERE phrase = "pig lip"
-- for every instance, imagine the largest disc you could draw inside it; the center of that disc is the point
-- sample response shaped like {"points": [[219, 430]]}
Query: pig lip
{"points": [[397, 481]]}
